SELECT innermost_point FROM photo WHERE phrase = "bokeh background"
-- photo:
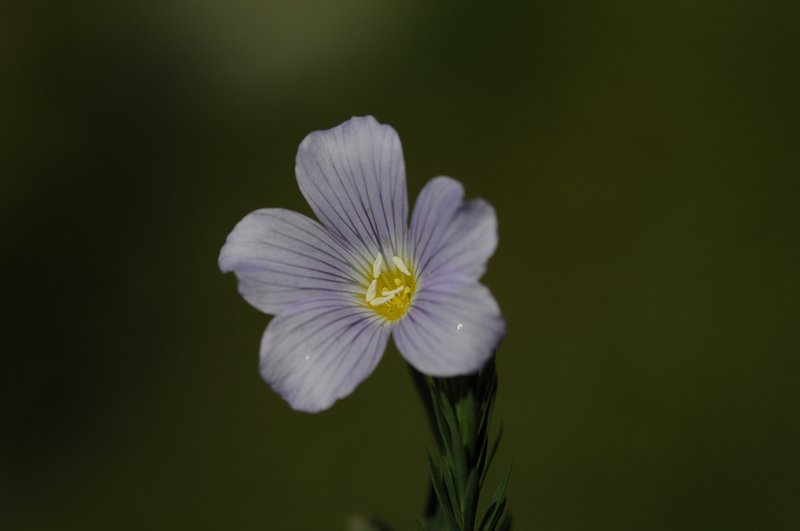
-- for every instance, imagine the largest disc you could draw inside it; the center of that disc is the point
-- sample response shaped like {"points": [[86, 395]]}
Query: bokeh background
{"points": [[643, 158]]}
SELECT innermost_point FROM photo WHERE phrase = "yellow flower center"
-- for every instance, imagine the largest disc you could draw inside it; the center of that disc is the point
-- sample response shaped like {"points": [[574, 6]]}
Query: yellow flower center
{"points": [[391, 289]]}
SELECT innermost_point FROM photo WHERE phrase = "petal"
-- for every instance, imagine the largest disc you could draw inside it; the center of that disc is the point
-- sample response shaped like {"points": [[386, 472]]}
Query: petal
{"points": [[451, 328], [281, 257], [353, 177], [320, 349], [450, 236], [433, 213]]}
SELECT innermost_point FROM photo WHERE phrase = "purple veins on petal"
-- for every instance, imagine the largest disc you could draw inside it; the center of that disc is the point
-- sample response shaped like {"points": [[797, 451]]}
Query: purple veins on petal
{"points": [[281, 257], [353, 177], [318, 350], [451, 235], [452, 328]]}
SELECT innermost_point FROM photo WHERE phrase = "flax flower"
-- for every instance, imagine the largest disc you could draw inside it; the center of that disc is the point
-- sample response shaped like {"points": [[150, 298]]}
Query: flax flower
{"points": [[340, 287]]}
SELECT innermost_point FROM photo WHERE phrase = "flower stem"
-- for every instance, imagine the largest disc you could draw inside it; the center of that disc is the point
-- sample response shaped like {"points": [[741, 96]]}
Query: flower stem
{"points": [[459, 411]]}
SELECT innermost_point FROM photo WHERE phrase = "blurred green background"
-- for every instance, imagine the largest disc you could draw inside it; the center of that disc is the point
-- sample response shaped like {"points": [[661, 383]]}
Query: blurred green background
{"points": [[644, 160]]}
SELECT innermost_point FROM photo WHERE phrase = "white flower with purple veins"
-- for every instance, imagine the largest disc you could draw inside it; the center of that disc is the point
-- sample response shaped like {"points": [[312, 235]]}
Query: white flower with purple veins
{"points": [[341, 287]]}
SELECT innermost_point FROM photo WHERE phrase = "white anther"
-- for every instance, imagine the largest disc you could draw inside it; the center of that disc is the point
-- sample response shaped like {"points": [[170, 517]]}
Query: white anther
{"points": [[459, 326], [400, 265], [376, 266], [386, 293], [373, 286], [377, 301]]}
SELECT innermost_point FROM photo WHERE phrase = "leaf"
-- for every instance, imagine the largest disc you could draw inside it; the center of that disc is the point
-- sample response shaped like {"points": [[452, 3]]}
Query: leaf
{"points": [[470, 503], [497, 505], [436, 483], [492, 452]]}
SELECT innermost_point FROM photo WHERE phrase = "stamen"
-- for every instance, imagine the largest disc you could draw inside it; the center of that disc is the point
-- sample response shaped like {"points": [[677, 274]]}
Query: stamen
{"points": [[373, 286], [377, 301], [400, 265], [390, 294], [391, 289], [377, 265]]}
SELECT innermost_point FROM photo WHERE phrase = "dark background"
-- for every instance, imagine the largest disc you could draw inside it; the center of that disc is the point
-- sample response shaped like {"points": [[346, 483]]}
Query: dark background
{"points": [[644, 160]]}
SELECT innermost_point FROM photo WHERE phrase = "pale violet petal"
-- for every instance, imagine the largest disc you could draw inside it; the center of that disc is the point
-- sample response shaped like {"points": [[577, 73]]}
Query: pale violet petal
{"points": [[353, 177], [451, 328], [318, 350], [433, 213], [467, 245], [281, 257], [450, 236]]}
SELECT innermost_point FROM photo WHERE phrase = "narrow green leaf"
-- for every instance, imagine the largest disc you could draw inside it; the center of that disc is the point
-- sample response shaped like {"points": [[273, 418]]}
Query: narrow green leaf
{"points": [[436, 483], [455, 499], [470, 504], [492, 452], [456, 447], [501, 487], [504, 524], [496, 505]]}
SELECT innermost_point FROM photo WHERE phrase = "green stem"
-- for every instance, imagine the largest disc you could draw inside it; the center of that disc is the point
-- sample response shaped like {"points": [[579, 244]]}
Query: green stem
{"points": [[459, 410]]}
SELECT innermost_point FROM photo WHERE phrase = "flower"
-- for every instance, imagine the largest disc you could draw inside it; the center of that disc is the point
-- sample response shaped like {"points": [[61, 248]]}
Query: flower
{"points": [[340, 287]]}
